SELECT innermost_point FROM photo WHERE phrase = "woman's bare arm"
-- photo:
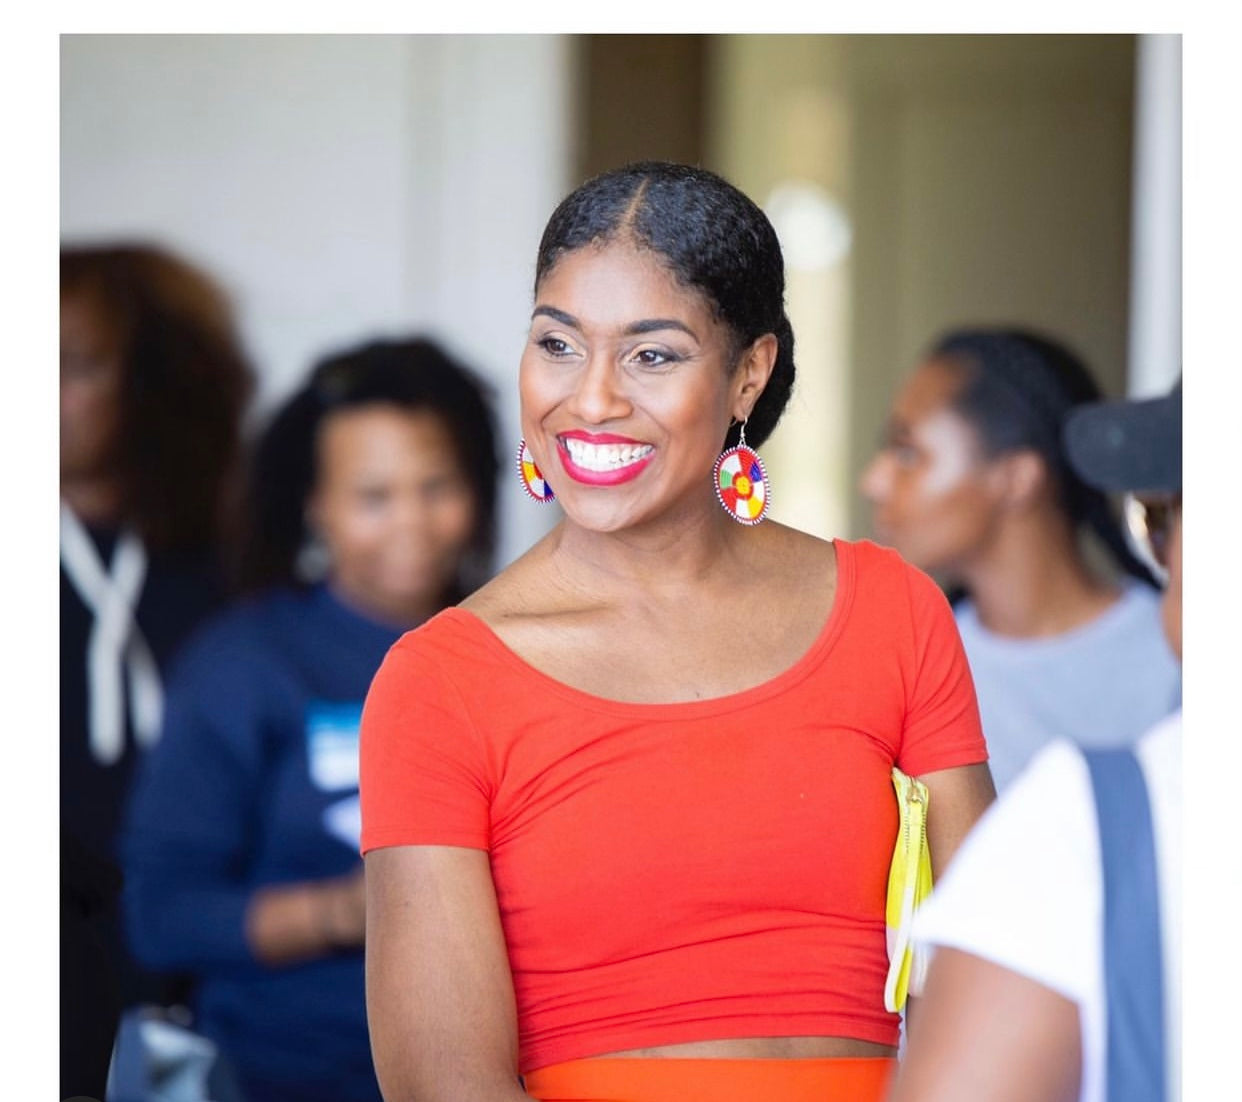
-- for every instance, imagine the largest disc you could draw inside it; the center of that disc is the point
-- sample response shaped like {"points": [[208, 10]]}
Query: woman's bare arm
{"points": [[987, 1034], [955, 800], [439, 991]]}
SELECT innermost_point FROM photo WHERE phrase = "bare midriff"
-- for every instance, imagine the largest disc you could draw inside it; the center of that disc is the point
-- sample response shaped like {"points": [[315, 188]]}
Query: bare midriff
{"points": [[762, 1048]]}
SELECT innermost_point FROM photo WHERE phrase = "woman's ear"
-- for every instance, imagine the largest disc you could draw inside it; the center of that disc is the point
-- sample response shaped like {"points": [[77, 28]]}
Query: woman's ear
{"points": [[752, 375], [313, 560], [1024, 478]]}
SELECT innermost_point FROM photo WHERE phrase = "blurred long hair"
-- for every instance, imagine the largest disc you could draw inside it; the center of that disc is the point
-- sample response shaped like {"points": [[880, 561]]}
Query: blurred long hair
{"points": [[185, 385]]}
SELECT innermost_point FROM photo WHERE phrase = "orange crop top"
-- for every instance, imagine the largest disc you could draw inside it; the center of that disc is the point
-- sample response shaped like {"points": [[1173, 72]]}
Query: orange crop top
{"points": [[680, 872]]}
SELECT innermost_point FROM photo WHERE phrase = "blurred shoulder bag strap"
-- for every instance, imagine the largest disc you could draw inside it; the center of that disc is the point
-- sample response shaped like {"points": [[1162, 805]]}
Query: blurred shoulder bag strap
{"points": [[1133, 961]]}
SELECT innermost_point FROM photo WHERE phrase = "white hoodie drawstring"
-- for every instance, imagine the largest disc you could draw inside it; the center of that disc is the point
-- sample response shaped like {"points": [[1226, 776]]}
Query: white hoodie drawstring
{"points": [[115, 636]]}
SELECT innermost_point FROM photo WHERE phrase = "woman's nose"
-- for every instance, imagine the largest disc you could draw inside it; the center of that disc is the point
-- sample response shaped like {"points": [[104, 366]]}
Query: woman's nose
{"points": [[599, 394]]}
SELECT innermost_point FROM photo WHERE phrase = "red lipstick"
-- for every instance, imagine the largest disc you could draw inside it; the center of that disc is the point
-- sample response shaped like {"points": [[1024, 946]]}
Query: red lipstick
{"points": [[595, 474]]}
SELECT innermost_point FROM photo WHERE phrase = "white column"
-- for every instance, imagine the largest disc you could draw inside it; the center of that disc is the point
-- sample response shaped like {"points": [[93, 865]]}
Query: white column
{"points": [[1155, 335], [492, 119]]}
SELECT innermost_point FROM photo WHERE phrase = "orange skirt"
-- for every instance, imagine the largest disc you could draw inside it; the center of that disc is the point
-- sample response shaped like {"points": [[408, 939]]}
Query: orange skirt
{"points": [[626, 1079]]}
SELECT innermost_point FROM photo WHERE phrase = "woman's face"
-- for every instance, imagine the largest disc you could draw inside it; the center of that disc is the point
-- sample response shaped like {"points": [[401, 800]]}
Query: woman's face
{"points": [[393, 507], [91, 378], [626, 388], [932, 492]]}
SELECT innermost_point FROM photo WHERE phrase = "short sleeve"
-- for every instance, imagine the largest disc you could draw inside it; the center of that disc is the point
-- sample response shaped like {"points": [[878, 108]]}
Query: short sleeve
{"points": [[942, 729], [423, 770]]}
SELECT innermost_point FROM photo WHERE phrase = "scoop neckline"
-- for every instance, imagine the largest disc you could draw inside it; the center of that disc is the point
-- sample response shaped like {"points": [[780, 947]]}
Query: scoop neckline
{"points": [[810, 658]]}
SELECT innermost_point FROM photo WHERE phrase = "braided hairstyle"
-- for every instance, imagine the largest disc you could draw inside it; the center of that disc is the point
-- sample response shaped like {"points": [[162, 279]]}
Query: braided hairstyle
{"points": [[414, 375], [1018, 388], [711, 237]]}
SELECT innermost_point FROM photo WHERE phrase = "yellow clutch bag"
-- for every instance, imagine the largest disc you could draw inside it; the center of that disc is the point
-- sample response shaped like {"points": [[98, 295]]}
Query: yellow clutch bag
{"points": [[909, 883]]}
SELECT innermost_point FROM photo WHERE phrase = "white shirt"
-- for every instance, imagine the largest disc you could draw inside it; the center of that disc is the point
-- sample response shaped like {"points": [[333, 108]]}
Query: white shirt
{"points": [[1025, 889]]}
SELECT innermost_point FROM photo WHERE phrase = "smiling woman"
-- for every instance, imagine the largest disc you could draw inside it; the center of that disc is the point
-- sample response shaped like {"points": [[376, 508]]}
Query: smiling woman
{"points": [[627, 809], [615, 342]]}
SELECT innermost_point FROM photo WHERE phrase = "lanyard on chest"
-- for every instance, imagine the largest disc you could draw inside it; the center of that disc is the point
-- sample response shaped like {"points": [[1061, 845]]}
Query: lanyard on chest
{"points": [[111, 594]]}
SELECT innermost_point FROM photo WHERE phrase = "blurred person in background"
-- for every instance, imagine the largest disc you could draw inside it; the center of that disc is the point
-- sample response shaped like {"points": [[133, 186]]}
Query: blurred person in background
{"points": [[1034, 995], [371, 507], [972, 484], [153, 385]]}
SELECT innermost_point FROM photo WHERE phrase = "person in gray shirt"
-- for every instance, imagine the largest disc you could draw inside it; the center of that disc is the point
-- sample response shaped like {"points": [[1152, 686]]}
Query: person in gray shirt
{"points": [[972, 484]]}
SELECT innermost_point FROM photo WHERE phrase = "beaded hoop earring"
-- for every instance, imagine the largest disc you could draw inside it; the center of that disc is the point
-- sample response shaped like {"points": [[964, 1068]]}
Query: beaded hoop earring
{"points": [[531, 476], [742, 482]]}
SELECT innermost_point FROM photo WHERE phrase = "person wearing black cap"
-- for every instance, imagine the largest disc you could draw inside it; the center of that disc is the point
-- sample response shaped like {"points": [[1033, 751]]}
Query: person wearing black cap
{"points": [[1043, 985]]}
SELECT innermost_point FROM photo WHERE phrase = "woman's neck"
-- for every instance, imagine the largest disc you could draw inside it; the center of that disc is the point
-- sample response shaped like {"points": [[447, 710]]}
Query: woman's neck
{"points": [[662, 557], [1033, 582]]}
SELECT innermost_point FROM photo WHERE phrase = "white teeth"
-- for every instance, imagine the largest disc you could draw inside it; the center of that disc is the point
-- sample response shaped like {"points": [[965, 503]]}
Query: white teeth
{"points": [[604, 457]]}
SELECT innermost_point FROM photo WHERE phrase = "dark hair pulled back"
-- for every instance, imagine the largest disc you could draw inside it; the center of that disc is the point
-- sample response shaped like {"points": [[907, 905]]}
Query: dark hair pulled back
{"points": [[711, 237], [1018, 388], [415, 375]]}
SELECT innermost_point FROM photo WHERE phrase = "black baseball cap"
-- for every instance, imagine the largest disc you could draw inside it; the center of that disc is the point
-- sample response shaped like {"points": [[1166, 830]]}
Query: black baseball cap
{"points": [[1130, 446]]}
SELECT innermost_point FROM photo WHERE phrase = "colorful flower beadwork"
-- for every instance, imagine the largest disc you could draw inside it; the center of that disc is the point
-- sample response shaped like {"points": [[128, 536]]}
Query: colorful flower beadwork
{"points": [[742, 484], [532, 478]]}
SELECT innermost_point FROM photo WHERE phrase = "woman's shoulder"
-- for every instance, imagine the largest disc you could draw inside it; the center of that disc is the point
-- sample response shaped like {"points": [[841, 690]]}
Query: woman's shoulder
{"points": [[525, 590], [772, 550], [877, 558], [881, 571], [1139, 602], [458, 636], [245, 631], [506, 595], [255, 614], [1132, 629]]}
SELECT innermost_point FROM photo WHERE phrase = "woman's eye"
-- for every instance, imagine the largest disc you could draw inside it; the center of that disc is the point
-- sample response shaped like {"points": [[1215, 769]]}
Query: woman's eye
{"points": [[554, 346], [905, 454], [653, 357]]}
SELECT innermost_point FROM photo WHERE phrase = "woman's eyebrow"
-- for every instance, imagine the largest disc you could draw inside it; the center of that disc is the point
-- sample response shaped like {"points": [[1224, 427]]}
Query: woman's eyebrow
{"points": [[651, 325], [556, 315], [635, 329]]}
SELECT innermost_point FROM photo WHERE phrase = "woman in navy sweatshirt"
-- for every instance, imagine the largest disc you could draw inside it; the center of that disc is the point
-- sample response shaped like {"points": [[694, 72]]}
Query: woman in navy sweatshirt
{"points": [[372, 503]]}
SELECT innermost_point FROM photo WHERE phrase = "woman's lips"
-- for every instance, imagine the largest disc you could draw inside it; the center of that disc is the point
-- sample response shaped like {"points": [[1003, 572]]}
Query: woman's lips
{"points": [[603, 459]]}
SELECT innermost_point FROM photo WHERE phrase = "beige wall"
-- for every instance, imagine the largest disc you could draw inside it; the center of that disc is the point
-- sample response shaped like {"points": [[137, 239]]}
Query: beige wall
{"points": [[986, 179]]}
